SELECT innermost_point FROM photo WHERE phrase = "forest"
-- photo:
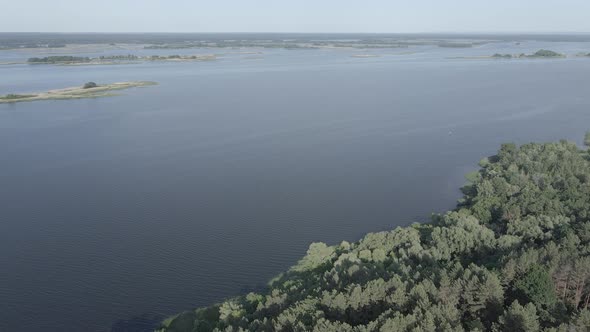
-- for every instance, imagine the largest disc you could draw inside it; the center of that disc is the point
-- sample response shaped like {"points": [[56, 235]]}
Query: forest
{"points": [[514, 255]]}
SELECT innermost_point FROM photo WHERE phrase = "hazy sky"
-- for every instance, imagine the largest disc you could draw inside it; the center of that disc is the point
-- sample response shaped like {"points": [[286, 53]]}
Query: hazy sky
{"points": [[295, 16]]}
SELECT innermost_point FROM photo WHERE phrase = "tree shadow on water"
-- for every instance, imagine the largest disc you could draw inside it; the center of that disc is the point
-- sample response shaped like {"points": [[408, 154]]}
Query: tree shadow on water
{"points": [[142, 323], [149, 321]]}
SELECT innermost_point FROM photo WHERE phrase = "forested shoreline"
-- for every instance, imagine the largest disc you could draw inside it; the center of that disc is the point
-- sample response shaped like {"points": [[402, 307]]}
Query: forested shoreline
{"points": [[513, 256]]}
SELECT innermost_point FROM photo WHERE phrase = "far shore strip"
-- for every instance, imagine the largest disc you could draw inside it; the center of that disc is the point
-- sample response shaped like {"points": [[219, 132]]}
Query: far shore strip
{"points": [[80, 92]]}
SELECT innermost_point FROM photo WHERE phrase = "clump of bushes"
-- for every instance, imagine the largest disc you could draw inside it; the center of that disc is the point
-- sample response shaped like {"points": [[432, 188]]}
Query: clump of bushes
{"points": [[90, 85], [546, 53]]}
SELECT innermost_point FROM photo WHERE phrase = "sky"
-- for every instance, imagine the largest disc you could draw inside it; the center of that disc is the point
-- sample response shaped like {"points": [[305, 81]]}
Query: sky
{"points": [[377, 16]]}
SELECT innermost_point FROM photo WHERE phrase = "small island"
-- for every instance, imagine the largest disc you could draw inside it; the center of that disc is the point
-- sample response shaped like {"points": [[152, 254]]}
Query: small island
{"points": [[88, 90], [538, 54], [68, 60]]}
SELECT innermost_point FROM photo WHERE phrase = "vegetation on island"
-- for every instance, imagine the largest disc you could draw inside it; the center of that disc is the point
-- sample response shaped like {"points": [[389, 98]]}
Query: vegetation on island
{"points": [[538, 54], [129, 57], [13, 96], [88, 90], [59, 59], [112, 59], [90, 85], [513, 256], [181, 57], [547, 54], [502, 56]]}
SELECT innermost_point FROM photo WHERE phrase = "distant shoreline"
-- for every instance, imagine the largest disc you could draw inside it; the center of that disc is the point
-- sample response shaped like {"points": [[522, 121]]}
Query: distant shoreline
{"points": [[541, 54], [69, 60]]}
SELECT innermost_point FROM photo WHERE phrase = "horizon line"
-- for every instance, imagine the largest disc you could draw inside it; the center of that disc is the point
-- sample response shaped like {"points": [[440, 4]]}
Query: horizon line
{"points": [[316, 32]]}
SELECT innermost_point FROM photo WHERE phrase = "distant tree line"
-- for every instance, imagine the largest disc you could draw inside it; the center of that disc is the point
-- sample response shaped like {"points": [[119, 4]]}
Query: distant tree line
{"points": [[68, 59], [119, 57], [59, 59], [498, 55], [538, 54], [13, 96], [547, 53]]}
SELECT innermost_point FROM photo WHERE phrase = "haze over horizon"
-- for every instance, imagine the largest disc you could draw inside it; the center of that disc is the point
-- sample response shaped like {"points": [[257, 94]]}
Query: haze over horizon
{"points": [[305, 16]]}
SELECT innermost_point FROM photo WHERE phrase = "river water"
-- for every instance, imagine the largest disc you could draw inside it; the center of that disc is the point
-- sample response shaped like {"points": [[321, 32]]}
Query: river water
{"points": [[115, 212]]}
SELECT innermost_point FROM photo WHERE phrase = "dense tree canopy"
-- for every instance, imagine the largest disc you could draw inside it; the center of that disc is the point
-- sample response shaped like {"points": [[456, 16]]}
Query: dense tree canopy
{"points": [[546, 53], [513, 256]]}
